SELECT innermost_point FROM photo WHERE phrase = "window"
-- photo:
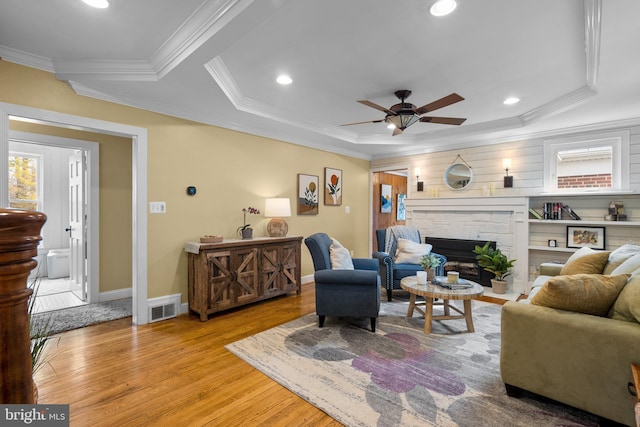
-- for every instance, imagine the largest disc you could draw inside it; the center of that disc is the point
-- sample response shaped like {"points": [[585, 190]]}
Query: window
{"points": [[24, 181], [587, 164]]}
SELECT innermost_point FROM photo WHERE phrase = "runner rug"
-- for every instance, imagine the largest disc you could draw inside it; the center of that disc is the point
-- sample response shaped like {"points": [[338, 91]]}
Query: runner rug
{"points": [[399, 376]]}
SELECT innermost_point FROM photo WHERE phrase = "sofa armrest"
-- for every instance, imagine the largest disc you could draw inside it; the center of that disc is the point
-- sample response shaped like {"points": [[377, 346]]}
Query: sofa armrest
{"points": [[550, 268], [574, 358]]}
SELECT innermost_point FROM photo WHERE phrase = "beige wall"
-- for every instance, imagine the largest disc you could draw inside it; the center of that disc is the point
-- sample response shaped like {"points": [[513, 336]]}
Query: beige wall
{"points": [[231, 170]]}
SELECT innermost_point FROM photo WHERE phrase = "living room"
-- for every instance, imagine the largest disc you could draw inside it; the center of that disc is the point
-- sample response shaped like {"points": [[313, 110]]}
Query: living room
{"points": [[234, 169]]}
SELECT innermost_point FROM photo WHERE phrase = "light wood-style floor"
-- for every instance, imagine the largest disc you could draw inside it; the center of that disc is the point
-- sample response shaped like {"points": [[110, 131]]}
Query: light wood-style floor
{"points": [[175, 372]]}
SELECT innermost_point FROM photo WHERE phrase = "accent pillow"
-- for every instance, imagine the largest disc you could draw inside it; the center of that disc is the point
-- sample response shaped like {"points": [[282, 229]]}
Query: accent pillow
{"points": [[629, 266], [340, 257], [410, 252], [619, 256], [627, 306], [585, 261], [582, 293]]}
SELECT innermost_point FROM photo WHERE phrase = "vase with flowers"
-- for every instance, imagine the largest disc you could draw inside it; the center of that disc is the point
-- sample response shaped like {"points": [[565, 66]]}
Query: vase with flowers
{"points": [[246, 232]]}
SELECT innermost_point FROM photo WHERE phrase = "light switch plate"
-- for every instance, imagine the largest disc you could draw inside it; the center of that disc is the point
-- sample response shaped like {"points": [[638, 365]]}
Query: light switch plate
{"points": [[158, 207]]}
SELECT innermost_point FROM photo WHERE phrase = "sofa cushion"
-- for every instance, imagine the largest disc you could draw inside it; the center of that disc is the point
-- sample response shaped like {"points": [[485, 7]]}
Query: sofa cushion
{"points": [[582, 293], [620, 255], [629, 266], [585, 261], [410, 252], [627, 306], [340, 257]]}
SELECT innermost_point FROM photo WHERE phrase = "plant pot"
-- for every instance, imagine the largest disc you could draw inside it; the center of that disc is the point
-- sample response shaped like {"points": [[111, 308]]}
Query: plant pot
{"points": [[431, 275], [247, 233], [498, 286]]}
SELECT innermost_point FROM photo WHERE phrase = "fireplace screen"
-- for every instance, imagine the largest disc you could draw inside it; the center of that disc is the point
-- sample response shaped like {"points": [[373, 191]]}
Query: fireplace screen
{"points": [[460, 257]]}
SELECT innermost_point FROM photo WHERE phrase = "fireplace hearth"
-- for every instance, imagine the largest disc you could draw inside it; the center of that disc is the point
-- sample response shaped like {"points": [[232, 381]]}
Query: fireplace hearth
{"points": [[460, 257]]}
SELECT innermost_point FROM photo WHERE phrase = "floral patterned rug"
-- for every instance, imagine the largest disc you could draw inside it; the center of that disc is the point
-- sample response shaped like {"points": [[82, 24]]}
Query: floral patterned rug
{"points": [[399, 375]]}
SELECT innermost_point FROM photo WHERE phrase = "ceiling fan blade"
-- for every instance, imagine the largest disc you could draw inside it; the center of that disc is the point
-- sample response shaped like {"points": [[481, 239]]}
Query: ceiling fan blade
{"points": [[376, 106], [361, 123], [440, 103], [443, 120], [396, 131]]}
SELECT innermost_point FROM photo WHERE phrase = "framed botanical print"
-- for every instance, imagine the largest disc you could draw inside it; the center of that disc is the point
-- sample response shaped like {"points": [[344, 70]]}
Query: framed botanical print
{"points": [[402, 211], [332, 187], [386, 203], [308, 187]]}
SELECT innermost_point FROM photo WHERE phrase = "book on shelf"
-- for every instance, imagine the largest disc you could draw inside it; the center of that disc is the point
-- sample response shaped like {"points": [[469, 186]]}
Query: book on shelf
{"points": [[570, 212], [443, 282], [535, 213]]}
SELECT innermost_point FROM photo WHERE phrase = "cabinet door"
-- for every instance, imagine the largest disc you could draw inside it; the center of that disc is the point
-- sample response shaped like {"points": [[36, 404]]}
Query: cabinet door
{"points": [[278, 268], [245, 275], [220, 295]]}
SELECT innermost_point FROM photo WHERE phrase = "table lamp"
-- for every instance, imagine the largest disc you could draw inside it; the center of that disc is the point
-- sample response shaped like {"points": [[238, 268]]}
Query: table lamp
{"points": [[277, 208]]}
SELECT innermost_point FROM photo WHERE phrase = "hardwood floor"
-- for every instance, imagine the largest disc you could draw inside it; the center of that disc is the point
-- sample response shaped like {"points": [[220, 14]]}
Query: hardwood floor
{"points": [[175, 372]]}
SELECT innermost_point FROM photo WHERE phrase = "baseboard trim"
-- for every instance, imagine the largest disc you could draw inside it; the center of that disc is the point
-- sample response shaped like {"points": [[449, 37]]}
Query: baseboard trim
{"points": [[114, 295]]}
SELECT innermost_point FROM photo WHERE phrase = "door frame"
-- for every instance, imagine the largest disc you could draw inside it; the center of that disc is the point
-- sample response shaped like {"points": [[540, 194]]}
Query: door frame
{"points": [[93, 221], [139, 143]]}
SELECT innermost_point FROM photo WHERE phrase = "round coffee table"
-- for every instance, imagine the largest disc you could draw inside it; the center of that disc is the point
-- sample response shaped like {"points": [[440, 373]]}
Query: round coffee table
{"points": [[431, 292]]}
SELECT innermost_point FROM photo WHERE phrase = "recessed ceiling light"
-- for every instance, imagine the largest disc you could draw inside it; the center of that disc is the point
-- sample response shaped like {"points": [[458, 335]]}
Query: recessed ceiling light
{"points": [[443, 7], [511, 100], [284, 79], [99, 4]]}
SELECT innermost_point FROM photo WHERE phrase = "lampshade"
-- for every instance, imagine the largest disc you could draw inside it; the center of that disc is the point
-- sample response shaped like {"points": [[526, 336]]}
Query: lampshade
{"points": [[277, 208], [506, 163]]}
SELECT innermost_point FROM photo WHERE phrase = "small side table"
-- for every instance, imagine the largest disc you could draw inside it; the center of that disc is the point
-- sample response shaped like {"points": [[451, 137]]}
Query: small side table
{"points": [[431, 292]]}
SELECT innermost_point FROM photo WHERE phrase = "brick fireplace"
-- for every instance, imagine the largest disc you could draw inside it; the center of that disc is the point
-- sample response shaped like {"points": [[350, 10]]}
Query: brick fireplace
{"points": [[503, 220], [460, 257]]}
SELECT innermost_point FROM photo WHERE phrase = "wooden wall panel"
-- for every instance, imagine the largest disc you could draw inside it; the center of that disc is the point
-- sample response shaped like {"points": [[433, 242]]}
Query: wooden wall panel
{"points": [[383, 220]]}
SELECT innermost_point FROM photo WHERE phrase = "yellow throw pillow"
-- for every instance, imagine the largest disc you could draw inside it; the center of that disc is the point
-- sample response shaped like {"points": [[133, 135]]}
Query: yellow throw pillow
{"points": [[627, 306], [593, 263], [582, 293]]}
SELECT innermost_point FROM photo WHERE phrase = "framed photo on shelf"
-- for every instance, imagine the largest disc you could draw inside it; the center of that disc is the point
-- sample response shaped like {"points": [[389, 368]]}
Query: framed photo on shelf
{"points": [[308, 188], [591, 237], [332, 187]]}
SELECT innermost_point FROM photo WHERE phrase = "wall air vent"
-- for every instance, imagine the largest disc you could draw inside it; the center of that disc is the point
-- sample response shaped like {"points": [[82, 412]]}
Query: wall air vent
{"points": [[163, 308]]}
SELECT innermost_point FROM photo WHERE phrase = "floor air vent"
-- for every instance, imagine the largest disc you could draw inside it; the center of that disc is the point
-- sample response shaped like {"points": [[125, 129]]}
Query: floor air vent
{"points": [[163, 308]]}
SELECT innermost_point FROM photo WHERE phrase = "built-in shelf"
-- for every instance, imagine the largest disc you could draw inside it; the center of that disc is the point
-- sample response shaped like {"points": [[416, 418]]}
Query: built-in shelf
{"points": [[585, 222], [551, 249]]}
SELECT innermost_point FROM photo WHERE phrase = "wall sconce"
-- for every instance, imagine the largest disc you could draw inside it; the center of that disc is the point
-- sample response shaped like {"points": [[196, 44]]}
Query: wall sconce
{"points": [[277, 208], [508, 180], [420, 183]]}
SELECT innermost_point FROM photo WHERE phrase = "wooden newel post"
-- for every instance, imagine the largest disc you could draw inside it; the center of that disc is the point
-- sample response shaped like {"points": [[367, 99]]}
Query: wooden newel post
{"points": [[19, 238]]}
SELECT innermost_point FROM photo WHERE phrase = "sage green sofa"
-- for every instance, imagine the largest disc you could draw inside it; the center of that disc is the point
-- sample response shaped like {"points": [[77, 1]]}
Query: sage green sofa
{"points": [[582, 360]]}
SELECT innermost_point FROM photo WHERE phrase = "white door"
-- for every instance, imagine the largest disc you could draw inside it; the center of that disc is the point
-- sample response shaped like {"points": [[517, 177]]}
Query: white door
{"points": [[77, 223]]}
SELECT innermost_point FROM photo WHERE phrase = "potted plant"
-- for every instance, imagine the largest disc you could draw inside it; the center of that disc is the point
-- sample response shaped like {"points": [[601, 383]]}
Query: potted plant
{"points": [[246, 231], [429, 263], [494, 261]]}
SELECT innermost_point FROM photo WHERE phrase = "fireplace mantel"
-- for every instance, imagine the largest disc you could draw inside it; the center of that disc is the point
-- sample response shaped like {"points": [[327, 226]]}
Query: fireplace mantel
{"points": [[500, 219]]}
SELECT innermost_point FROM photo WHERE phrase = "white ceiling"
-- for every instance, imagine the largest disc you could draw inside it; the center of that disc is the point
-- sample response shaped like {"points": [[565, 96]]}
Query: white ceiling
{"points": [[573, 64]]}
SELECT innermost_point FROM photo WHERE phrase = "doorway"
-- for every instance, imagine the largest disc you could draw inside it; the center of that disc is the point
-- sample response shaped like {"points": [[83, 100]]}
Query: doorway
{"points": [[139, 183], [396, 181], [65, 265]]}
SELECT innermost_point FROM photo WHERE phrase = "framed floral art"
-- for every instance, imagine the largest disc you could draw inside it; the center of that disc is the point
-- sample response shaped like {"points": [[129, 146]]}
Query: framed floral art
{"points": [[308, 188], [332, 187]]}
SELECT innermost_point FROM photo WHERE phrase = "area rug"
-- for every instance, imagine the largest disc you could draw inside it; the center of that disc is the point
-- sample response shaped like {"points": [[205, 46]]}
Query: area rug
{"points": [[399, 376], [87, 315]]}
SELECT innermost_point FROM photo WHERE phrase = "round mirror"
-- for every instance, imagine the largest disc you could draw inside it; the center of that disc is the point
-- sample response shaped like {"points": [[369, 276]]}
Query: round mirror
{"points": [[458, 176]]}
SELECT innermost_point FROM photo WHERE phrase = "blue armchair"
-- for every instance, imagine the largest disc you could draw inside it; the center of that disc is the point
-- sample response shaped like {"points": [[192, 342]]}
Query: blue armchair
{"points": [[343, 293], [390, 272]]}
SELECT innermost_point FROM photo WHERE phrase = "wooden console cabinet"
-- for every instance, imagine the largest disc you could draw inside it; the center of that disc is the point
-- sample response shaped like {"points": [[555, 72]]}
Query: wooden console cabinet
{"points": [[238, 272]]}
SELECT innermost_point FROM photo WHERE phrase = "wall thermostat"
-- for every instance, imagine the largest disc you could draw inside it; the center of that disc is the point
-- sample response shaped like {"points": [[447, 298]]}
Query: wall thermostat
{"points": [[191, 190]]}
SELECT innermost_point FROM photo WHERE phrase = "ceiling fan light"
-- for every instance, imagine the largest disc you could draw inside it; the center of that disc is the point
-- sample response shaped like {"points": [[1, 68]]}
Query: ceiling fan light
{"points": [[443, 7], [391, 126], [98, 4], [407, 120]]}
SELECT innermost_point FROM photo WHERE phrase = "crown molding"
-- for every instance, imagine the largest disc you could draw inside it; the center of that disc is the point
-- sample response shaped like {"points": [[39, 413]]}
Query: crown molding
{"points": [[98, 69], [25, 58], [592, 25]]}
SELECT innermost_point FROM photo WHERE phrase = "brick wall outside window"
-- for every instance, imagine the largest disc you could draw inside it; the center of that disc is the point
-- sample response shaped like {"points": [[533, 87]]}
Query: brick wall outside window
{"points": [[585, 181]]}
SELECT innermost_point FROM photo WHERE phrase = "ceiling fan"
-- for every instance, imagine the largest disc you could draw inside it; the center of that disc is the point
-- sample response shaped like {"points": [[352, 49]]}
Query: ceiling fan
{"points": [[404, 114]]}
